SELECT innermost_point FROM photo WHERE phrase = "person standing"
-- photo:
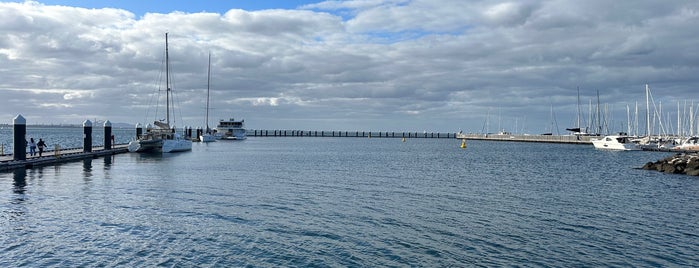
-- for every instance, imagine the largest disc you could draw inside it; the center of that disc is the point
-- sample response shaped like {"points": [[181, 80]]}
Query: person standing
{"points": [[32, 147], [41, 146]]}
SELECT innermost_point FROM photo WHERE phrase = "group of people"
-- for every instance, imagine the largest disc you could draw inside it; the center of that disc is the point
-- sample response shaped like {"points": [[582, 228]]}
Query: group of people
{"points": [[33, 145]]}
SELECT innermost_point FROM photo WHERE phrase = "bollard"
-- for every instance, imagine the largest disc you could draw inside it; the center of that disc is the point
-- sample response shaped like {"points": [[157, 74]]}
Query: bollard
{"points": [[57, 151], [87, 136], [107, 135], [20, 139]]}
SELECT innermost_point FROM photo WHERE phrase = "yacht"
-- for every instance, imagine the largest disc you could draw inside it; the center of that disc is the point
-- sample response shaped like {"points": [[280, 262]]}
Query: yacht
{"points": [[161, 137], [231, 129], [616, 142]]}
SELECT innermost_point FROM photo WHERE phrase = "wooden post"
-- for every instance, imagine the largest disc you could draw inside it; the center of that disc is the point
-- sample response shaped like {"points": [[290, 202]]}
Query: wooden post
{"points": [[20, 139]]}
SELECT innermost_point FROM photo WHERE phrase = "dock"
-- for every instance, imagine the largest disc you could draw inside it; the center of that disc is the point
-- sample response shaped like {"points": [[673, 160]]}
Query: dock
{"points": [[348, 133], [52, 157]]}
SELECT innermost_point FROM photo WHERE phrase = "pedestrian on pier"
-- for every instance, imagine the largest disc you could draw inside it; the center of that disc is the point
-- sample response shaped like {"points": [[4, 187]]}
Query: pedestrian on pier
{"points": [[32, 147], [41, 146]]}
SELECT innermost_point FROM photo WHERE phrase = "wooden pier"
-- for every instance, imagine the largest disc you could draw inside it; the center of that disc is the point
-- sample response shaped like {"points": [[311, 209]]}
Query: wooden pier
{"points": [[349, 134], [53, 157]]}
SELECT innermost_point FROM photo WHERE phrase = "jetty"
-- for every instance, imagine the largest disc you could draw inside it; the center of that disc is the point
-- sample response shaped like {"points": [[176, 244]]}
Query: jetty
{"points": [[572, 139], [53, 157], [19, 159], [349, 134]]}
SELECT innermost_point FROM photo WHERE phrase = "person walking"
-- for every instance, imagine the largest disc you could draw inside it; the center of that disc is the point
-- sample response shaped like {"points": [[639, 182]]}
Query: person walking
{"points": [[32, 147], [41, 146]]}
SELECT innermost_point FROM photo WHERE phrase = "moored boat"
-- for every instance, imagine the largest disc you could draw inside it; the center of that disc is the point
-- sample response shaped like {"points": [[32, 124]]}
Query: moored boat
{"points": [[231, 129], [616, 142], [161, 137]]}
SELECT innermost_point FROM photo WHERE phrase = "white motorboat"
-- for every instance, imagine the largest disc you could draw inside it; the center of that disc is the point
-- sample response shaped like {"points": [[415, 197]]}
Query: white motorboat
{"points": [[688, 144], [616, 142], [161, 137], [231, 129]]}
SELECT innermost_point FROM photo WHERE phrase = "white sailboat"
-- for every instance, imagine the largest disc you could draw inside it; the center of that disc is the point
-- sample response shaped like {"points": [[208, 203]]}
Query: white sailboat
{"points": [[161, 136], [207, 136]]}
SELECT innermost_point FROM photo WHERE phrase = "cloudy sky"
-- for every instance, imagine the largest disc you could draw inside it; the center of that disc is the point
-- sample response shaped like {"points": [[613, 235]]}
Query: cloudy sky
{"points": [[381, 65]]}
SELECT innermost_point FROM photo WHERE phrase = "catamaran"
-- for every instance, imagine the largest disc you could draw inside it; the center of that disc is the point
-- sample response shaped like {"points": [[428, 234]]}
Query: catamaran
{"points": [[161, 137]]}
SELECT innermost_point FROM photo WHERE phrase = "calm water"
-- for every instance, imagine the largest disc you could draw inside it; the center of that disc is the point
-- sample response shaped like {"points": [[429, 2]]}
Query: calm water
{"points": [[352, 202]]}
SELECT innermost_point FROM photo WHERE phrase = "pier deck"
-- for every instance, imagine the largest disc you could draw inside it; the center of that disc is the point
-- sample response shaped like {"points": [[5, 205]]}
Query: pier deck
{"points": [[52, 157]]}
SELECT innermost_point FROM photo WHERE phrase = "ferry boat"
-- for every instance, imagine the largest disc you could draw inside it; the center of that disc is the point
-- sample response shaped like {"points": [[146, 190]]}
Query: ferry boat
{"points": [[231, 129]]}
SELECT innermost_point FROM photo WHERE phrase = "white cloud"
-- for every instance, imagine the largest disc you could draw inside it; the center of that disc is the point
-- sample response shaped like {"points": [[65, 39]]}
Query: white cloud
{"points": [[440, 65]]}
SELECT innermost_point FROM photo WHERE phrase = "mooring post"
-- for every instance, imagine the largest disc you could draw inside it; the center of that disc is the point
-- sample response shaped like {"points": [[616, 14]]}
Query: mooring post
{"points": [[107, 135], [20, 139], [87, 136]]}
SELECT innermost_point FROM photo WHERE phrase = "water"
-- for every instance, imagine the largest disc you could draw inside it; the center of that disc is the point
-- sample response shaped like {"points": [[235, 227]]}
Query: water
{"points": [[352, 202]]}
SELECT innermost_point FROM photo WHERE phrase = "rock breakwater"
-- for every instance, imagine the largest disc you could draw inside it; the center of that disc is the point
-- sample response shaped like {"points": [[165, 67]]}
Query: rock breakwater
{"points": [[687, 164]]}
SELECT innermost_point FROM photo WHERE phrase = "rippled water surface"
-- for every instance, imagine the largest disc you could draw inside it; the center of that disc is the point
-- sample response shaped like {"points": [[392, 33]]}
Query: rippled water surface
{"points": [[352, 202]]}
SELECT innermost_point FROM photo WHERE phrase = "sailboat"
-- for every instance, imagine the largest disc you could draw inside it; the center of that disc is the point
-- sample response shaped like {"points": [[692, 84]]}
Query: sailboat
{"points": [[161, 136], [206, 135]]}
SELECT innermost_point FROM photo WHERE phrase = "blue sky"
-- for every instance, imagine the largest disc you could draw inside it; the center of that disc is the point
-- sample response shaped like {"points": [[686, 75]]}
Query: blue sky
{"points": [[380, 65], [140, 7]]}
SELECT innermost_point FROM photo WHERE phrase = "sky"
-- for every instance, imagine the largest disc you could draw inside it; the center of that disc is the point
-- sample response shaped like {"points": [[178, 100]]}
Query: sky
{"points": [[370, 65]]}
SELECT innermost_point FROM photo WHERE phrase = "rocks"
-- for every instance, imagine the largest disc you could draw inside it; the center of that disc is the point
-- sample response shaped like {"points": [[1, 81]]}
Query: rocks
{"points": [[677, 164]]}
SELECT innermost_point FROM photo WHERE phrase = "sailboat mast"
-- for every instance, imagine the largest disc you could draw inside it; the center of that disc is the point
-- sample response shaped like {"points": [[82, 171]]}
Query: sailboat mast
{"points": [[578, 124], [208, 82], [648, 130], [167, 82]]}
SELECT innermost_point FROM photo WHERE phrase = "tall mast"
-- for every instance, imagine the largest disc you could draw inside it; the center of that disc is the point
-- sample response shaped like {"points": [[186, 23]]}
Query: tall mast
{"points": [[648, 130], [578, 125], [599, 121], [167, 82], [208, 82]]}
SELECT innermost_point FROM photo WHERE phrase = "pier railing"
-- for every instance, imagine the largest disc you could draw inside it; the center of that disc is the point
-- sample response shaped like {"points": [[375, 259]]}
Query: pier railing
{"points": [[349, 133]]}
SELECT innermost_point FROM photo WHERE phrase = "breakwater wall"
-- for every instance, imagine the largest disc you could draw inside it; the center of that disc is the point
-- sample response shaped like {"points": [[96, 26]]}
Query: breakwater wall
{"points": [[350, 134], [683, 163], [527, 138]]}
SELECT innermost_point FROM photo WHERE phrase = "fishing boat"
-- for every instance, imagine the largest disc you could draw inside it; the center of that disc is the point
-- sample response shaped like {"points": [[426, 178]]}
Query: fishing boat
{"points": [[616, 142], [161, 137], [231, 129], [206, 135]]}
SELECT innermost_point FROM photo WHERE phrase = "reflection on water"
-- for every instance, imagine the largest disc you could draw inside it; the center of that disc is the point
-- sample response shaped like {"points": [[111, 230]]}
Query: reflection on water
{"points": [[87, 168], [20, 182]]}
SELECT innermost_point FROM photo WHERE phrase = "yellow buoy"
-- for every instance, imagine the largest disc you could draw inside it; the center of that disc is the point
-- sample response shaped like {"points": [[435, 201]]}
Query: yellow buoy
{"points": [[463, 144]]}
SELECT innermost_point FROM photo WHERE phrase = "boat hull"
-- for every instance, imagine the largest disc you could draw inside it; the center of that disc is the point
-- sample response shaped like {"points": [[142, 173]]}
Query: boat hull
{"points": [[207, 138], [145, 145], [619, 143], [176, 145]]}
